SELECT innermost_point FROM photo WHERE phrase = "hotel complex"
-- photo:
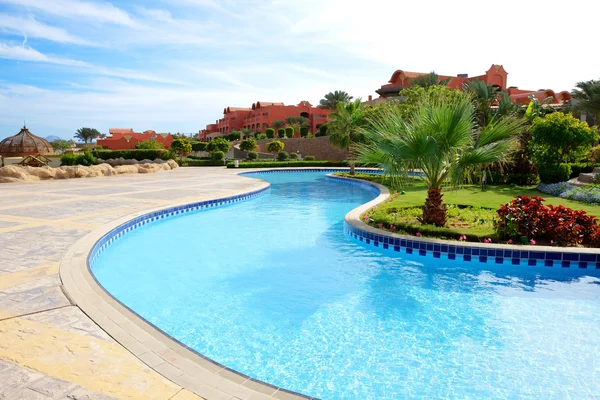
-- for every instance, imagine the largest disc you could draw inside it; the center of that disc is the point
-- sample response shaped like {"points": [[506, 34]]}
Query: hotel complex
{"points": [[126, 139]]}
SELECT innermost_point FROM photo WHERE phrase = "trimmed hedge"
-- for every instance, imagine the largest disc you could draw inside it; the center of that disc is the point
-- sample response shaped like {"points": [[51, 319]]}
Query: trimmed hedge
{"points": [[579, 168], [289, 132], [303, 132], [283, 155], [138, 154], [281, 133], [199, 146], [202, 163], [309, 158], [270, 132], [288, 164]]}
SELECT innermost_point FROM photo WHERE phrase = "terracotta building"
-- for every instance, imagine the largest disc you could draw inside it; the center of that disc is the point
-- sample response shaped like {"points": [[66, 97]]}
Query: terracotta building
{"points": [[261, 115], [495, 76], [126, 139]]}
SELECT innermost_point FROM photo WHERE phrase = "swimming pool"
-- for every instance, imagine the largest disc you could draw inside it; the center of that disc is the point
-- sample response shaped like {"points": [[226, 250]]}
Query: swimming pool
{"points": [[272, 287]]}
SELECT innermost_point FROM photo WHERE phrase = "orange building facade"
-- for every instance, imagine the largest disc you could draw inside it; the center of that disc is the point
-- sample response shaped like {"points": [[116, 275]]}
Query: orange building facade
{"points": [[126, 139], [261, 115], [495, 76]]}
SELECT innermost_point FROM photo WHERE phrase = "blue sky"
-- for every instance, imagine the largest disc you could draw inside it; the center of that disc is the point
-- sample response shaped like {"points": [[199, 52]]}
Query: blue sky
{"points": [[173, 65]]}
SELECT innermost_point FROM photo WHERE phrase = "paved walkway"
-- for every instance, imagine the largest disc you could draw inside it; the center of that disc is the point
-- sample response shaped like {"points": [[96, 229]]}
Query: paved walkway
{"points": [[49, 349]]}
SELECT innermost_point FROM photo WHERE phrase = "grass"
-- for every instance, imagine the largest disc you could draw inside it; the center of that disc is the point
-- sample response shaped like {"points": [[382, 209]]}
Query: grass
{"points": [[476, 221]]}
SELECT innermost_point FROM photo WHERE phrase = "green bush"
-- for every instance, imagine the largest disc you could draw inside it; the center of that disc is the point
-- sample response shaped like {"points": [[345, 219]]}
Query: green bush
{"points": [[149, 145], [289, 132], [580, 168], [217, 155], [293, 156], [199, 158], [261, 136], [68, 159], [218, 144], [252, 155], [201, 163], [248, 144], [281, 133], [303, 131], [283, 156], [86, 159], [553, 173], [234, 135], [270, 132], [322, 131], [309, 158], [199, 146], [289, 164], [275, 146], [133, 154]]}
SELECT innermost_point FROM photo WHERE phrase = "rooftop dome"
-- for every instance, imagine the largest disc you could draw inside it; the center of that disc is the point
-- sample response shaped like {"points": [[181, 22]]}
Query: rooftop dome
{"points": [[24, 143]]}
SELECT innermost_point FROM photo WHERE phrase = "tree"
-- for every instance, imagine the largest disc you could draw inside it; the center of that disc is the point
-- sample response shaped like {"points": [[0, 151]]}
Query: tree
{"points": [[289, 132], [301, 121], [277, 124], [149, 145], [248, 144], [270, 132], [416, 96], [430, 79], [181, 147], [218, 144], [322, 131], [60, 145], [444, 141], [484, 95], [588, 95], [245, 133], [234, 135], [275, 146], [87, 134], [199, 146], [344, 128], [331, 99], [558, 138]]}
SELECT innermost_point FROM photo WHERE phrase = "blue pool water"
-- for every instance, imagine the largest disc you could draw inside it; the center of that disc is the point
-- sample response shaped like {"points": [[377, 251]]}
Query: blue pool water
{"points": [[272, 287]]}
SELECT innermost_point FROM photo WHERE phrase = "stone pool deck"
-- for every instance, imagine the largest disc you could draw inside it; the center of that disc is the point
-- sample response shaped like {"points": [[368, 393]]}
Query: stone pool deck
{"points": [[49, 349]]}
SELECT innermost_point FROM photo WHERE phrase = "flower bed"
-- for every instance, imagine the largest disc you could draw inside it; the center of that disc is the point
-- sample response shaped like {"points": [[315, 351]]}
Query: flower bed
{"points": [[587, 194]]}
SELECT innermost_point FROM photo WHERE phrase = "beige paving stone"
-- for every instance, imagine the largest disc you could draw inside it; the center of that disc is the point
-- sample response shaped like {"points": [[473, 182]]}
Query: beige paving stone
{"points": [[71, 319], [186, 395], [28, 275], [31, 301]]}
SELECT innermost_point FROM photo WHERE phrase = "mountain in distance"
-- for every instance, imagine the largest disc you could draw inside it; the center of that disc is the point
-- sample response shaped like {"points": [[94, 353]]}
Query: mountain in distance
{"points": [[52, 138]]}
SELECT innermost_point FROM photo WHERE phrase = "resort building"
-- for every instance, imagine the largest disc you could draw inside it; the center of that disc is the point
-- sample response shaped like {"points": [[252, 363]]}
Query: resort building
{"points": [[495, 76], [261, 115], [126, 138]]}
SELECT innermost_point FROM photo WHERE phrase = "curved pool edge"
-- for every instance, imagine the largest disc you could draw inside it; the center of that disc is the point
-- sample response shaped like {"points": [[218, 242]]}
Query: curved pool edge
{"points": [[158, 350], [584, 260]]}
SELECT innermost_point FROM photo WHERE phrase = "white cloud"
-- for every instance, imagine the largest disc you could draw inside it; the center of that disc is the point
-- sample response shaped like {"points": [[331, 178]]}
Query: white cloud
{"points": [[97, 11], [24, 53], [32, 28]]}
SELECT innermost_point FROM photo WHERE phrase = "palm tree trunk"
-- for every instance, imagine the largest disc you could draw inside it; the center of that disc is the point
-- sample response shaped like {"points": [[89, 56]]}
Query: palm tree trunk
{"points": [[351, 162], [434, 210]]}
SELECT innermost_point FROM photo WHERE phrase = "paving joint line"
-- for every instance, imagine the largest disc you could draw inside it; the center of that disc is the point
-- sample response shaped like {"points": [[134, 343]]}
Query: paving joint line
{"points": [[33, 313]]}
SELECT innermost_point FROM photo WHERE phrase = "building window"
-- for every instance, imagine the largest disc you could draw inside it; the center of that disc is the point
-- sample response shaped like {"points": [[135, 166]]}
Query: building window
{"points": [[265, 114]]}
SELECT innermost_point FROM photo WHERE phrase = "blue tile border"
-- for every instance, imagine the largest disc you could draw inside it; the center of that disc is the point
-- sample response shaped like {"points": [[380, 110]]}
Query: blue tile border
{"points": [[118, 232]]}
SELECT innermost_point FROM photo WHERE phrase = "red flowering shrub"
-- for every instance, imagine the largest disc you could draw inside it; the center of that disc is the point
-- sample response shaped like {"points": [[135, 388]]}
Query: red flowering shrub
{"points": [[529, 217]]}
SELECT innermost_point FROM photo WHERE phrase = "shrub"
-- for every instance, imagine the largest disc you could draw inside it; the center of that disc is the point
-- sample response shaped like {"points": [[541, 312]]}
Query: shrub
{"points": [[282, 156], [289, 132], [201, 163], [68, 159], [529, 217], [248, 144], [133, 154], [580, 168], [289, 164], [218, 144], [293, 156], [270, 132], [303, 131], [149, 145], [281, 133], [86, 159], [234, 135], [181, 146], [261, 136], [199, 146], [309, 158], [552, 173], [252, 155], [275, 146], [217, 155], [322, 131]]}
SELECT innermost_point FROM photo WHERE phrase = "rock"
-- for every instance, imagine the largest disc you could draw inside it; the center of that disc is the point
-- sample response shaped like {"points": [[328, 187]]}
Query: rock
{"points": [[172, 164]]}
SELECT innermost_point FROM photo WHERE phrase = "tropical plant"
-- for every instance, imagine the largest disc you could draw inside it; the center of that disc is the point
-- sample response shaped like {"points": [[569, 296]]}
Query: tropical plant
{"points": [[442, 140], [149, 145], [181, 147], [245, 133], [218, 144], [506, 106], [270, 132], [322, 131], [261, 136], [277, 124], [86, 134], [289, 132], [331, 99], [430, 79], [275, 146], [344, 128], [248, 144], [414, 97], [302, 121], [484, 95], [588, 96]]}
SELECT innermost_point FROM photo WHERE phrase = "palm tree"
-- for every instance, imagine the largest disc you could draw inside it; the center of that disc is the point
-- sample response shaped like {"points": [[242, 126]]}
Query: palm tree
{"points": [[588, 94], [245, 133], [444, 141], [430, 79], [86, 134], [277, 124], [344, 128], [331, 99], [484, 96]]}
